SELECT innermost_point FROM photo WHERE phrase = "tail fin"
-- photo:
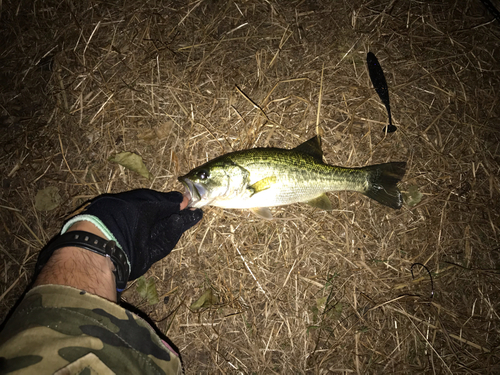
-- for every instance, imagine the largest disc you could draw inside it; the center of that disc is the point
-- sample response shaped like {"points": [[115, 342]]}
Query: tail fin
{"points": [[382, 180]]}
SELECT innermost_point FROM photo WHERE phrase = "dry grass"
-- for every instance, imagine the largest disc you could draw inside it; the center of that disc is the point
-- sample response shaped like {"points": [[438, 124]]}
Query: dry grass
{"points": [[180, 83]]}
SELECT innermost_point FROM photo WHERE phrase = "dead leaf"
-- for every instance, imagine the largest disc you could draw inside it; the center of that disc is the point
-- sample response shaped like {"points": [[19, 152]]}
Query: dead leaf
{"points": [[47, 199], [207, 299], [147, 135], [147, 289], [164, 129], [413, 196], [158, 132], [132, 162]]}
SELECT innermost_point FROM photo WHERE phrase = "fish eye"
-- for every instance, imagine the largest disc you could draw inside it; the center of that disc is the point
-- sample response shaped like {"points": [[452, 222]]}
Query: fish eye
{"points": [[203, 174]]}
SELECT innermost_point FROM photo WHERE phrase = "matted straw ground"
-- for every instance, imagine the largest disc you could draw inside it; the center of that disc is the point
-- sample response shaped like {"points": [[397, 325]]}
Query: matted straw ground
{"points": [[182, 82]]}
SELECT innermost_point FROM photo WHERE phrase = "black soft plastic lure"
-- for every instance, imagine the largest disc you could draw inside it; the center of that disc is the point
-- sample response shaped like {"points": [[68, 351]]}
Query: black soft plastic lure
{"points": [[380, 84]]}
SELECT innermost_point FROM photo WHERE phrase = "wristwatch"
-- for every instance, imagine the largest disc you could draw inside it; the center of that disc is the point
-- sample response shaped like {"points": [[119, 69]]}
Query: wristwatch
{"points": [[91, 242]]}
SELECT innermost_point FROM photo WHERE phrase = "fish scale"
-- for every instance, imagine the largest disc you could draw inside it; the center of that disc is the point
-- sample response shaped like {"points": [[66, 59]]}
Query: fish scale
{"points": [[265, 177], [305, 177]]}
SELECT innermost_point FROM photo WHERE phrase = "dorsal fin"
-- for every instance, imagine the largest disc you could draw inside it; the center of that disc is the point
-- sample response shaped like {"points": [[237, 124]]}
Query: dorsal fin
{"points": [[311, 147]]}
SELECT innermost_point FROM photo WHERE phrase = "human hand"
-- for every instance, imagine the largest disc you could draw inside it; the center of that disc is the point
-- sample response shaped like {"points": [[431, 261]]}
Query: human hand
{"points": [[145, 223]]}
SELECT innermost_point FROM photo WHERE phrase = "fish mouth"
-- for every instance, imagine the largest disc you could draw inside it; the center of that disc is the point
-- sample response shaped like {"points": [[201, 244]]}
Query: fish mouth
{"points": [[195, 192]]}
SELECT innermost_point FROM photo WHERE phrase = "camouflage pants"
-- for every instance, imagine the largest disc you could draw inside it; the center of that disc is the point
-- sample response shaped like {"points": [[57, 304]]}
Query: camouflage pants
{"points": [[62, 330]]}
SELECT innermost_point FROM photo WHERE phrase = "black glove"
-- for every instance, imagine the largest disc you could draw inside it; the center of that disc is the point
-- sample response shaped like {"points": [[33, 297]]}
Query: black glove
{"points": [[146, 224]]}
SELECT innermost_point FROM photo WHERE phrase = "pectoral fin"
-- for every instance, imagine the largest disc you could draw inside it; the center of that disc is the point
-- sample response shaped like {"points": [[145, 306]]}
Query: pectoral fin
{"points": [[322, 202], [262, 212], [263, 184]]}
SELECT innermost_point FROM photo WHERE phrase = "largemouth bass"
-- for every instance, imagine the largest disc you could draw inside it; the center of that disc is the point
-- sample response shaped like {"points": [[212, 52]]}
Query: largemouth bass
{"points": [[264, 177]]}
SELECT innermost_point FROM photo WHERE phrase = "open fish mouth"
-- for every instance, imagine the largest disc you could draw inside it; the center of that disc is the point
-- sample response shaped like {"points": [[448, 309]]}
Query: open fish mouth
{"points": [[194, 192]]}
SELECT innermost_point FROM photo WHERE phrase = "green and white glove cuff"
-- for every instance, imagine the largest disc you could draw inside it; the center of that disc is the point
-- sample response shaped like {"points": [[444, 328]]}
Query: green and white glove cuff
{"points": [[94, 220]]}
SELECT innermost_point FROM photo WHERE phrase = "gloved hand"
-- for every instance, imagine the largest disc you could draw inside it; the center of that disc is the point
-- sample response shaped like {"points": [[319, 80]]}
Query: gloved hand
{"points": [[145, 223]]}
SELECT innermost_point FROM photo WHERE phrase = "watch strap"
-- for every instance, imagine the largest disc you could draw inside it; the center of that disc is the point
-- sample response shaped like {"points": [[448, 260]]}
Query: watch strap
{"points": [[91, 242]]}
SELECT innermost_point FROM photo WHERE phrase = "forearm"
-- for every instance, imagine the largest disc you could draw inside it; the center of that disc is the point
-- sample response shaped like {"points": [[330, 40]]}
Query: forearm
{"points": [[80, 268]]}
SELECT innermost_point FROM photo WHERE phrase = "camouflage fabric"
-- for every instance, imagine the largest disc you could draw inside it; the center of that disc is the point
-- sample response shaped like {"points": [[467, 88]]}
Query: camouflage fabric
{"points": [[61, 330]]}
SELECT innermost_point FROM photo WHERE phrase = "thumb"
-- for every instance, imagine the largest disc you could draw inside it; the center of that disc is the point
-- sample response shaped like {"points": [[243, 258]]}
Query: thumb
{"points": [[190, 217]]}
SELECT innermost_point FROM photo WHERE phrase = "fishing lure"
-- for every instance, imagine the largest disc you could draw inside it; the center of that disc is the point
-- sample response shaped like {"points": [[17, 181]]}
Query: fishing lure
{"points": [[380, 84]]}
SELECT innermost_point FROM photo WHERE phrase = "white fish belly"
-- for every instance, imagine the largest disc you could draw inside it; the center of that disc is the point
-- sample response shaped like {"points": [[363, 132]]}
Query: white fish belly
{"points": [[276, 195]]}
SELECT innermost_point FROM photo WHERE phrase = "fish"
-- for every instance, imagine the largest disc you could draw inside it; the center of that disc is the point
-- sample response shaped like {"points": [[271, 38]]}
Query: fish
{"points": [[260, 178], [380, 84]]}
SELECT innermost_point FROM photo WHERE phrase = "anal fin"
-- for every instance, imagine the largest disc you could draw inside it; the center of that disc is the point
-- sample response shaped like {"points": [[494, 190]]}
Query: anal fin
{"points": [[322, 202]]}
